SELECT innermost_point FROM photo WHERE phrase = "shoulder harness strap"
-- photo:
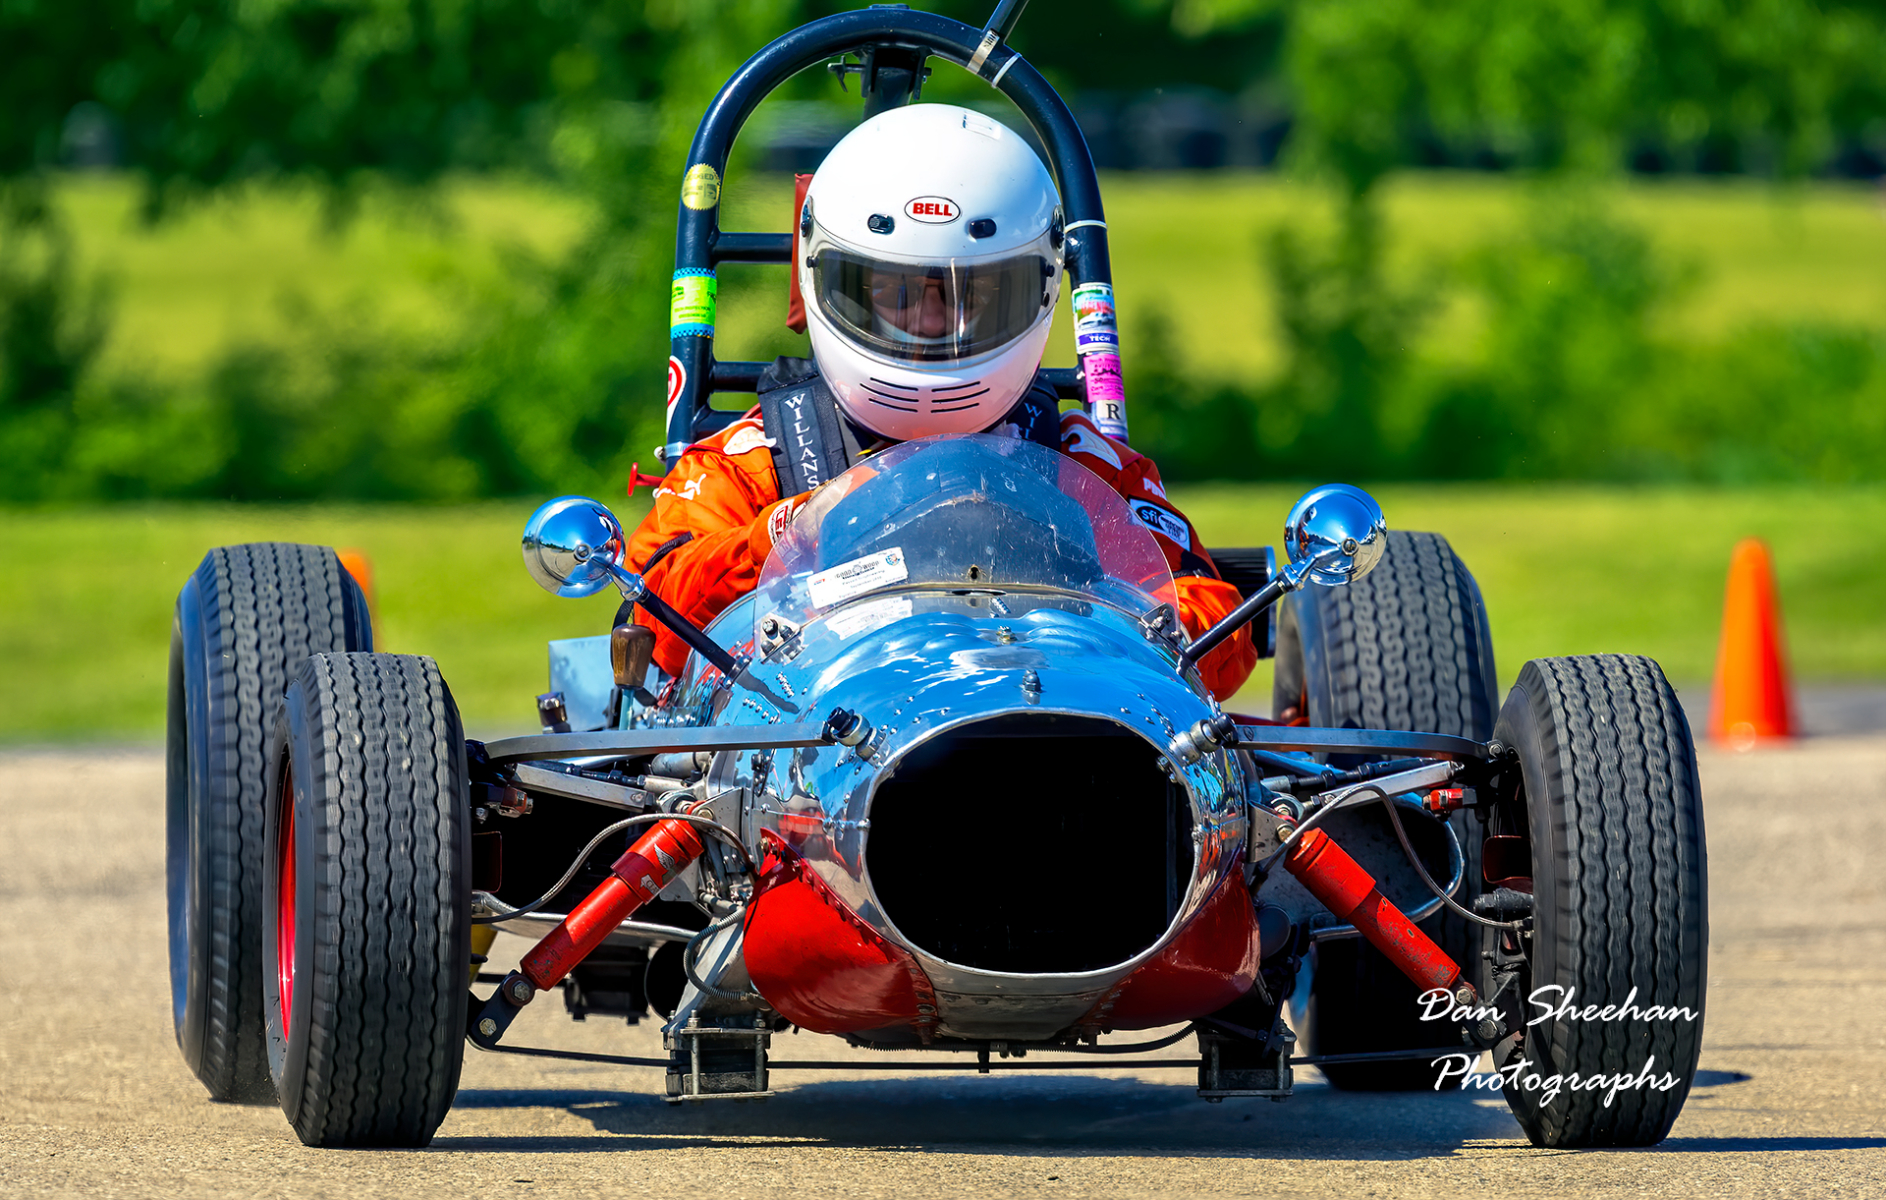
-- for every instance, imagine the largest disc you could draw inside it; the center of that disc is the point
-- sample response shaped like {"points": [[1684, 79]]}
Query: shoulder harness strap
{"points": [[812, 442]]}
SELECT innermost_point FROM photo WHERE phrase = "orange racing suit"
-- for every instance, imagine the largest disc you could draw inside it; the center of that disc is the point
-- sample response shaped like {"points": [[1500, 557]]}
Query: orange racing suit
{"points": [[725, 493]]}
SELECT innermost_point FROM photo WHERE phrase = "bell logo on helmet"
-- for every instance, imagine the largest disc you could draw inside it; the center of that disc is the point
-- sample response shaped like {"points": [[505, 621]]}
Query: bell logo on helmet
{"points": [[932, 210]]}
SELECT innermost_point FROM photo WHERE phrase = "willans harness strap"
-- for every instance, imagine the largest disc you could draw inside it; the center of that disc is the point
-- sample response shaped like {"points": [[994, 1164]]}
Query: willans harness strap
{"points": [[812, 441]]}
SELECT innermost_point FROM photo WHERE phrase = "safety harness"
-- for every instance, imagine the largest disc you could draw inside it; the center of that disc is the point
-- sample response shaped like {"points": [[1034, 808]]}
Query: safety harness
{"points": [[812, 440]]}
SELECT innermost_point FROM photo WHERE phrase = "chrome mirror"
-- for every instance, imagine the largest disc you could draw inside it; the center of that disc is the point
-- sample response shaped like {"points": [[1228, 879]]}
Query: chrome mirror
{"points": [[1335, 535], [573, 547]]}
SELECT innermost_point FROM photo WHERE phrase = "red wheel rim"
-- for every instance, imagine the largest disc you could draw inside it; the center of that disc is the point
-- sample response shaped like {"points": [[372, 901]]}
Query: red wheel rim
{"points": [[285, 899]]}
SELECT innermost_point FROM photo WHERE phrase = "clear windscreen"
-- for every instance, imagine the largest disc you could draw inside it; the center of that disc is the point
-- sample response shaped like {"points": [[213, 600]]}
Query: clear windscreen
{"points": [[950, 310], [969, 513]]}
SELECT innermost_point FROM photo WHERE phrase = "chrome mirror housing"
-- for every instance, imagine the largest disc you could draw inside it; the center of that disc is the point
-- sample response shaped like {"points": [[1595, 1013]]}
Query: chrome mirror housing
{"points": [[573, 547], [1335, 535]]}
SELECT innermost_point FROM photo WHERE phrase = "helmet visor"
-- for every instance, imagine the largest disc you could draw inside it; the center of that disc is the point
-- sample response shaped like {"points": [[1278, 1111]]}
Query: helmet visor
{"points": [[954, 309]]}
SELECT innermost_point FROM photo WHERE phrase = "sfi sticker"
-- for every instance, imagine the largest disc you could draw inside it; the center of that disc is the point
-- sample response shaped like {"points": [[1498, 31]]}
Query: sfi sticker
{"points": [[933, 210], [700, 187], [677, 379], [1160, 520]]}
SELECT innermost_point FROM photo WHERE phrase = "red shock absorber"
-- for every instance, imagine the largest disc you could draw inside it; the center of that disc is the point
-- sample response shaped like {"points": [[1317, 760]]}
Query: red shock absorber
{"points": [[636, 878], [1328, 873]]}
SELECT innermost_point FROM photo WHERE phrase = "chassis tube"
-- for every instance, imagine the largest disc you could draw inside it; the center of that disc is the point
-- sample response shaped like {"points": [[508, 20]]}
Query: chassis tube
{"points": [[1327, 872]]}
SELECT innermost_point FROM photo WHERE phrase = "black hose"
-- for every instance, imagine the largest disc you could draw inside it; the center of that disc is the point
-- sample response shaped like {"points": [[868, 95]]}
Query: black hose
{"points": [[727, 835]]}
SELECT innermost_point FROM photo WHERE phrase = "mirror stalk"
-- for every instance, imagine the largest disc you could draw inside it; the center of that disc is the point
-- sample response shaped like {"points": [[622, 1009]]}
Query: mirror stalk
{"points": [[635, 590], [1286, 581]]}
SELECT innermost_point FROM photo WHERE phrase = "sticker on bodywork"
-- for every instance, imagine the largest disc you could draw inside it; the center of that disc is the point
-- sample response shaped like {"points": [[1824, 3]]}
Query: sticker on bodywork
{"points": [[1162, 521], [691, 303], [866, 617], [677, 380], [1093, 308], [1106, 398], [835, 585], [700, 187]]}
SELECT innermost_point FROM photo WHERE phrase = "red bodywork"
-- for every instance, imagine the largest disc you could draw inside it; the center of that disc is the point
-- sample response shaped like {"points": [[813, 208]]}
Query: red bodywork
{"points": [[820, 965], [1210, 964], [825, 969]]}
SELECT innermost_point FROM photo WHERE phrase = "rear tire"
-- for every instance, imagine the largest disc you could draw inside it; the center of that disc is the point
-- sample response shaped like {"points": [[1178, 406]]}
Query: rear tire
{"points": [[1405, 647], [1613, 809], [367, 897], [245, 619]]}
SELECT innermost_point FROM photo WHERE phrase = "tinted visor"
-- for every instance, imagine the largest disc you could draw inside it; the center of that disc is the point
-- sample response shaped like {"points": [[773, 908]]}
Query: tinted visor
{"points": [[949, 310]]}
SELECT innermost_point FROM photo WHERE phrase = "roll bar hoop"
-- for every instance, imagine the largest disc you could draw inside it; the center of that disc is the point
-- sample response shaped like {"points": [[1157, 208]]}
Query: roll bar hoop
{"points": [[700, 244]]}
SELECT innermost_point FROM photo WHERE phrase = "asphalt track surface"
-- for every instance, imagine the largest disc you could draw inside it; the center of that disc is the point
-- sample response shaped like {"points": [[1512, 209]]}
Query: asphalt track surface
{"points": [[95, 1101]]}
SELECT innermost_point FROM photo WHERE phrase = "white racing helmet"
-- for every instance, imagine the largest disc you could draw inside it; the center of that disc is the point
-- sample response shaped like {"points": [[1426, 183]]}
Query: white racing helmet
{"points": [[931, 260]]}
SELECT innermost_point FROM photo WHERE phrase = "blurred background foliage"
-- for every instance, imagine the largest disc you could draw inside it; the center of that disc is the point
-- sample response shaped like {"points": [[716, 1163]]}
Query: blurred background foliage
{"points": [[1547, 346]]}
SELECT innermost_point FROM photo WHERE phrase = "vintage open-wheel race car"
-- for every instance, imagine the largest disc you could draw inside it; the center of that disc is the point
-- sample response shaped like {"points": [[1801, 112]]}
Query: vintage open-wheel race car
{"points": [[946, 783]]}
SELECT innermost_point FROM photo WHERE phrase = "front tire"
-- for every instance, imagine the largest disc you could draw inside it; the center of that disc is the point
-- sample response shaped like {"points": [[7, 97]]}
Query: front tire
{"points": [[367, 896], [1405, 647], [245, 619], [1613, 811]]}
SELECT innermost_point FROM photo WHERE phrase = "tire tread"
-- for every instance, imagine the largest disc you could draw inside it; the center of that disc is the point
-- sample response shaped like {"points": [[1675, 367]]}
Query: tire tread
{"points": [[386, 1026], [263, 608], [1630, 905]]}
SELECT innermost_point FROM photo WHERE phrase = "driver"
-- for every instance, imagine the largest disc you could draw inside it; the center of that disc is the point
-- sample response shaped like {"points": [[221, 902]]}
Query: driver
{"points": [[930, 255]]}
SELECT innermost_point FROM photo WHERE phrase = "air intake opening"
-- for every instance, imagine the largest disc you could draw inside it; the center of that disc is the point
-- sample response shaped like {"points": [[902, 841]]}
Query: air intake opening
{"points": [[1031, 843]]}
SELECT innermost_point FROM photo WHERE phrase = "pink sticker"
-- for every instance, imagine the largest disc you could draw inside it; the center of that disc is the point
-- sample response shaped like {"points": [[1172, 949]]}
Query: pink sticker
{"points": [[1106, 397]]}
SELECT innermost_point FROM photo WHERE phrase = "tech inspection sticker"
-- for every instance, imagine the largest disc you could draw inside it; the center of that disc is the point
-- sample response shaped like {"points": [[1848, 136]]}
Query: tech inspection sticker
{"points": [[835, 585]]}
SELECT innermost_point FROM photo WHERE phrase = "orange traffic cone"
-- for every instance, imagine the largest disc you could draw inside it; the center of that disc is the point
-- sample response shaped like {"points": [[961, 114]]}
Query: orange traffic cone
{"points": [[1752, 699], [356, 563]]}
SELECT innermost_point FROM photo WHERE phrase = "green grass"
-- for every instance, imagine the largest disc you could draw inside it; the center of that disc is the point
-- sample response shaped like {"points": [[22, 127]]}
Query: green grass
{"points": [[85, 631], [86, 595], [1182, 243]]}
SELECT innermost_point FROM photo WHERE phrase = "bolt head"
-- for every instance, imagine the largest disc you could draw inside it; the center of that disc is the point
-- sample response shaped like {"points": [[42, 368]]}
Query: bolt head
{"points": [[488, 1027], [1463, 995]]}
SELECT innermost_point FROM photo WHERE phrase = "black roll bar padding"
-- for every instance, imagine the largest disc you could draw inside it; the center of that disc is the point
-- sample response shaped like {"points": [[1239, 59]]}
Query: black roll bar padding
{"points": [[699, 244], [751, 247]]}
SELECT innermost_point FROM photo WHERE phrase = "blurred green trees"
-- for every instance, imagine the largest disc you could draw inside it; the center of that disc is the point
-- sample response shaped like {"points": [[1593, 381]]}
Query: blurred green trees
{"points": [[1570, 381], [554, 380], [556, 376]]}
